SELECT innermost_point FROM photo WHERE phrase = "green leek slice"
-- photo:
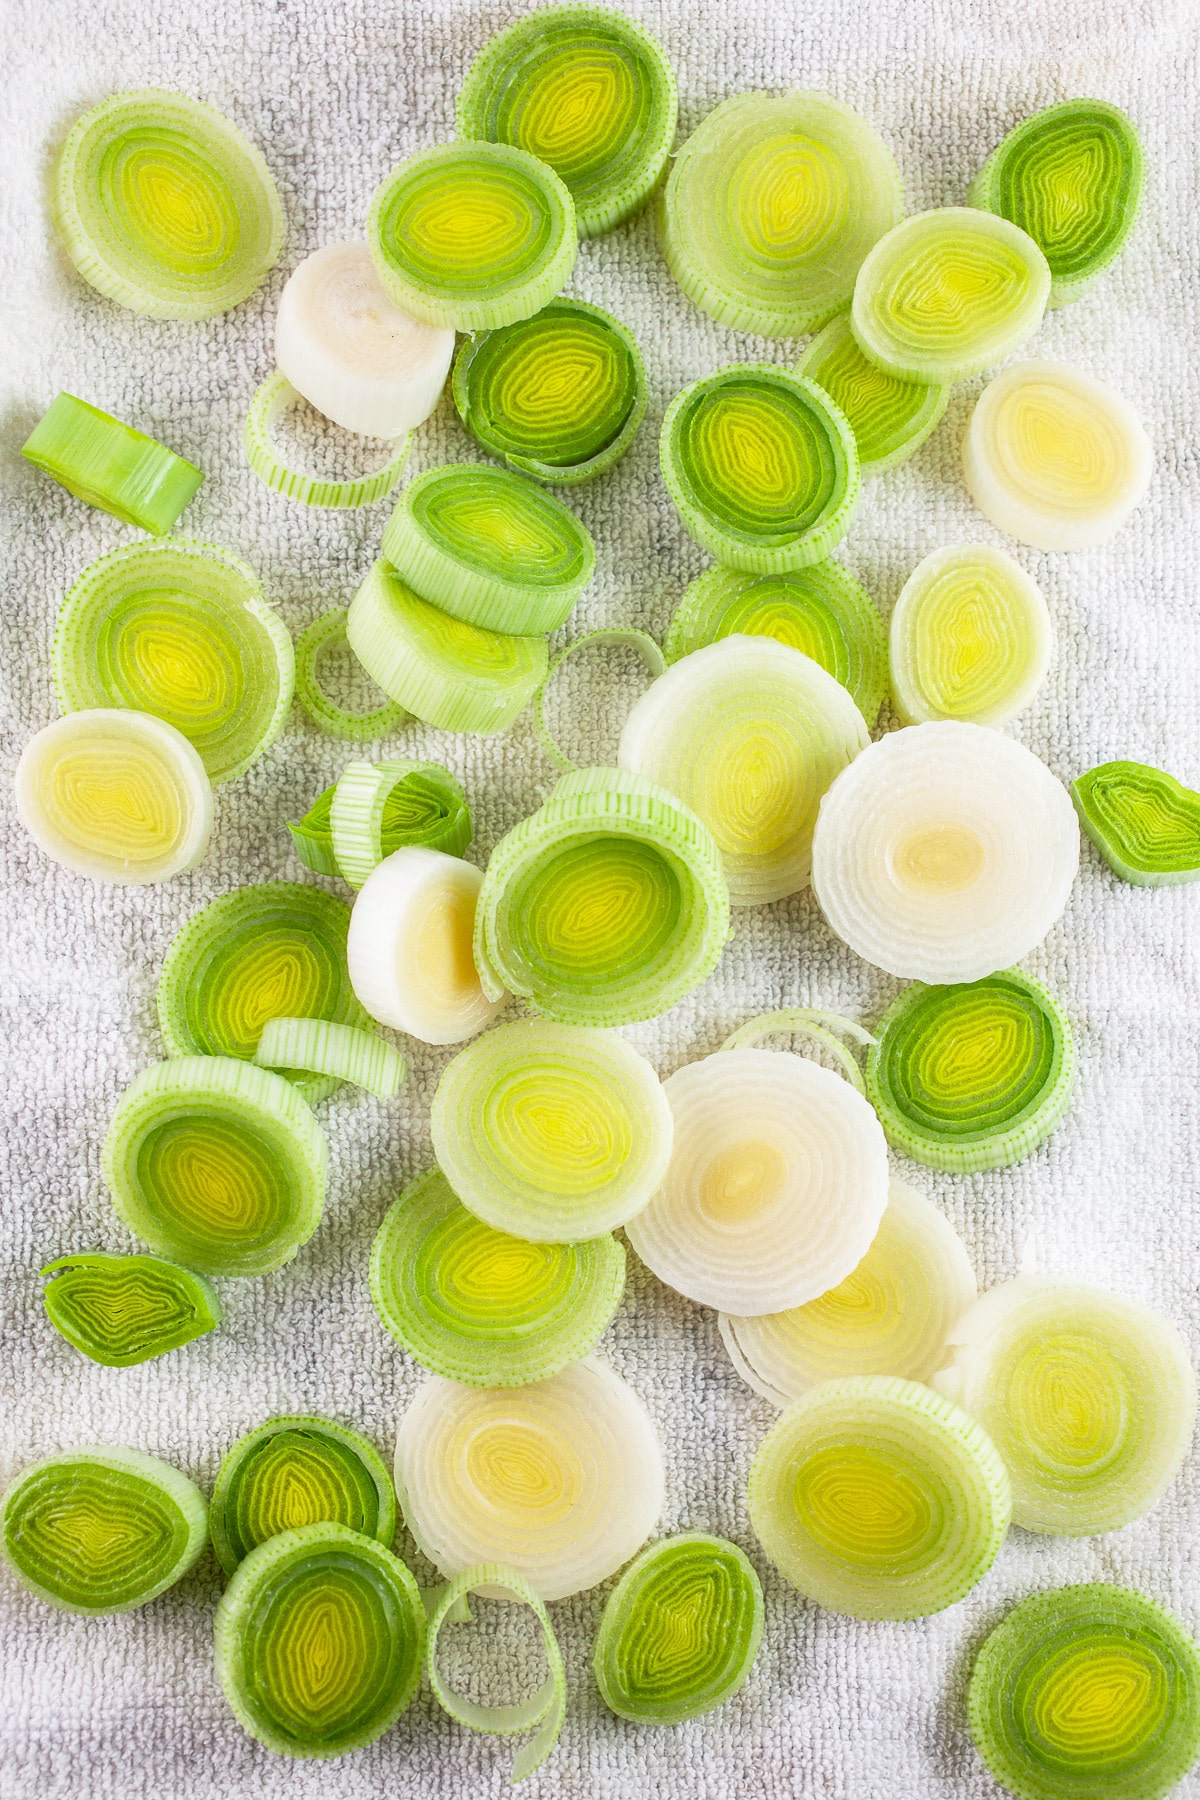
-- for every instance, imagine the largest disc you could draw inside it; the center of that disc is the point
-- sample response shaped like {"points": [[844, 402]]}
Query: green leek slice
{"points": [[1145, 824], [271, 400], [638, 641], [294, 1471], [970, 638], [121, 1310], [110, 465], [890, 418], [377, 807], [312, 836], [341, 1052], [324, 636]]}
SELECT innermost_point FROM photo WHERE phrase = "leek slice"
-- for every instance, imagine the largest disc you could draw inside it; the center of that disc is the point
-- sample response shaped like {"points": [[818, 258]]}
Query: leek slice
{"points": [[555, 1133], [294, 1471], [1054, 457], [110, 465], [326, 634], [771, 206], [102, 1530], [480, 1306], [320, 1638], [878, 1498], [762, 467], [164, 207], [563, 1477], [819, 1027], [182, 630], [312, 836], [970, 638], [974, 1075], [559, 396], [587, 91], [1090, 1399], [639, 641], [472, 235], [944, 852], [271, 400], [342, 1052], [449, 673], [749, 733], [606, 906], [890, 1316], [948, 293], [777, 1182], [378, 807], [117, 795], [890, 418], [216, 1164], [1145, 824], [121, 1310], [680, 1631], [1087, 1693]]}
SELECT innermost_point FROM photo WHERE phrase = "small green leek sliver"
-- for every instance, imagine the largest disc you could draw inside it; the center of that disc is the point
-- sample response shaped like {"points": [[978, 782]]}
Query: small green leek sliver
{"points": [[890, 418], [293, 1471], [1145, 824], [328, 633], [121, 1310], [312, 836], [110, 465]]}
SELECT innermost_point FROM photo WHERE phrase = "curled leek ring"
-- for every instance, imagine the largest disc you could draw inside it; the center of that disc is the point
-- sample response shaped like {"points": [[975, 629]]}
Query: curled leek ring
{"points": [[970, 638], [271, 400], [341, 1052], [325, 635], [890, 418], [680, 1630], [312, 836], [1145, 824], [110, 465], [377, 807], [813, 1024], [121, 1310], [638, 641]]}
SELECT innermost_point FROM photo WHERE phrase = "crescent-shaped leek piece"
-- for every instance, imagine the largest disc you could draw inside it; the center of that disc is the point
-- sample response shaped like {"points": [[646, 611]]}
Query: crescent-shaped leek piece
{"points": [[1145, 824], [121, 1310], [890, 417], [270, 401], [294, 1471], [379, 807], [110, 465], [970, 638], [326, 635], [312, 836], [340, 1052]]}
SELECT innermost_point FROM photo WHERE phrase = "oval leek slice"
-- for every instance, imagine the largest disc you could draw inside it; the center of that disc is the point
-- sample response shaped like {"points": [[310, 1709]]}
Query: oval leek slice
{"points": [[944, 852], [948, 293], [378, 807], [117, 795], [325, 635], [606, 906], [1090, 1400], [472, 235], [590, 93], [102, 1530], [680, 1631], [271, 400], [122, 1310], [341, 1052], [555, 1133], [565, 1475], [110, 465], [182, 630], [890, 418], [777, 1182], [771, 206], [320, 1639], [312, 836], [970, 638], [294, 1471], [761, 466], [1145, 824], [216, 1164], [1087, 1693], [482, 1307], [164, 207], [878, 1498]]}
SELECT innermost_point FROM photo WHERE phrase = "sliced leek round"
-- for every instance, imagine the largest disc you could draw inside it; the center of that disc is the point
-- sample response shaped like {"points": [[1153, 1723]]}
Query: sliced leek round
{"points": [[294, 1471], [110, 465], [312, 836], [121, 1310], [890, 417], [970, 638], [276, 396], [378, 807], [318, 641], [340, 1052], [1145, 824]]}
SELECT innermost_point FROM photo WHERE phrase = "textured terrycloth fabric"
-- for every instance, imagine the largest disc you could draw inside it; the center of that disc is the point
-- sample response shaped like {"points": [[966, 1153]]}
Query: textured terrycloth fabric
{"points": [[117, 1709]]}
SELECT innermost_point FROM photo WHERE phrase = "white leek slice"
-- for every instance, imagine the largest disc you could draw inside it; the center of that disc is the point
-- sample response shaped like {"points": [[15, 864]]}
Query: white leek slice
{"points": [[343, 1052], [267, 407], [970, 638]]}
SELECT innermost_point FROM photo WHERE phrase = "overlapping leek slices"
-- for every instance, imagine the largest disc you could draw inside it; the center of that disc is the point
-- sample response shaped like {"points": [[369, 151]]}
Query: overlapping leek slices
{"points": [[970, 638], [890, 417], [378, 807], [286, 474], [110, 465], [1145, 824], [338, 1052], [323, 638], [296, 1471], [121, 1310]]}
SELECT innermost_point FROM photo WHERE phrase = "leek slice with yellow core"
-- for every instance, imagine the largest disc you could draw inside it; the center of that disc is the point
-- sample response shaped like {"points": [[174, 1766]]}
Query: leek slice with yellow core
{"points": [[271, 400], [340, 1052], [110, 465], [1145, 824], [970, 638], [378, 807], [638, 641], [122, 1310], [322, 638], [294, 1471], [890, 417]]}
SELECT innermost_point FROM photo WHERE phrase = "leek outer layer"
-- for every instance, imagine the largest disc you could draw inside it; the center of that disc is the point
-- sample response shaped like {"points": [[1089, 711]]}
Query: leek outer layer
{"points": [[110, 465], [326, 633], [294, 1471], [121, 1310], [312, 836], [1145, 824], [890, 418], [378, 807], [270, 401], [341, 1052], [640, 642]]}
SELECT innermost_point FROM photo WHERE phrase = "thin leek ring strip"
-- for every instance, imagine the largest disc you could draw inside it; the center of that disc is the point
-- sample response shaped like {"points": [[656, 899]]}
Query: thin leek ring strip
{"points": [[559, 396], [1090, 1399], [824, 1028], [1087, 1693], [1071, 176], [472, 235], [587, 91], [750, 734], [878, 1498], [944, 852], [122, 1310], [117, 795], [1145, 824], [325, 634], [490, 547], [216, 1164], [271, 400], [821, 610], [947, 294], [680, 1631], [604, 907], [312, 836], [762, 468], [890, 1316], [973, 1075], [970, 638], [183, 630], [456, 676], [770, 207], [378, 807], [102, 1530], [340, 1052], [1054, 457], [110, 465], [164, 207], [890, 418], [293, 1471], [554, 1133], [320, 1639], [639, 641], [480, 1306], [564, 1477]]}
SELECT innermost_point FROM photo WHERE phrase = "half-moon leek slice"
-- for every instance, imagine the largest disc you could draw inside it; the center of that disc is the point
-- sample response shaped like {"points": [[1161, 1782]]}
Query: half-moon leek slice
{"points": [[878, 1498], [948, 293], [890, 418], [271, 400], [325, 635], [555, 1133], [1145, 824], [944, 852], [121, 1310], [970, 638], [771, 206], [182, 630], [110, 465], [312, 836], [378, 807], [296, 1470], [102, 1530], [341, 1052], [1090, 1400], [590, 93], [563, 1477]]}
